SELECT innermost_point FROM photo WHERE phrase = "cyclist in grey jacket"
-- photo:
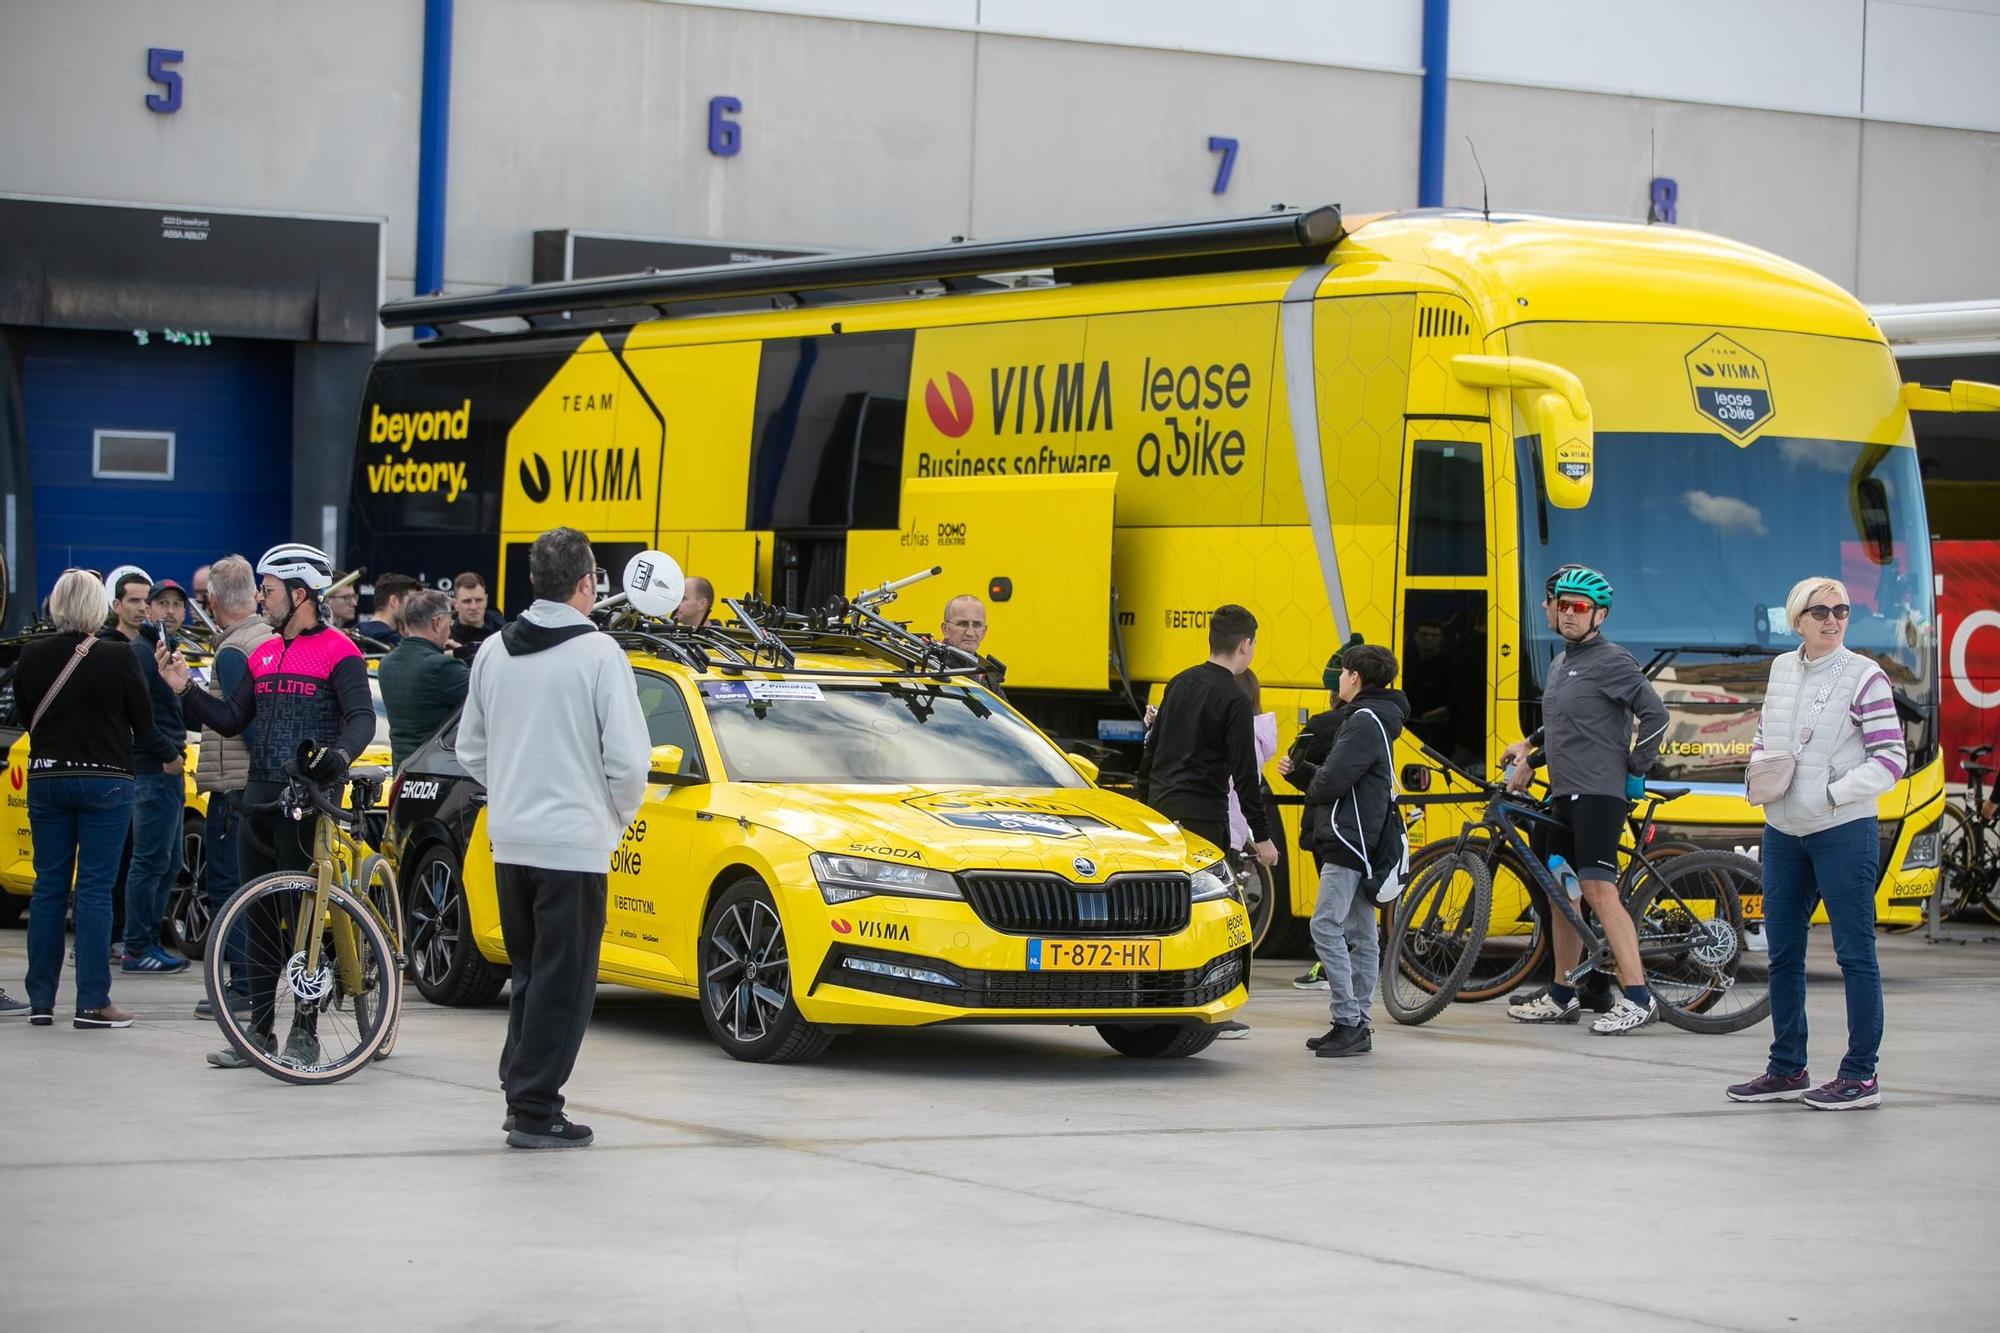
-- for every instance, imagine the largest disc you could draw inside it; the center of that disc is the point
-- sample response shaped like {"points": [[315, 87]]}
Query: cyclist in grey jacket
{"points": [[1597, 766]]}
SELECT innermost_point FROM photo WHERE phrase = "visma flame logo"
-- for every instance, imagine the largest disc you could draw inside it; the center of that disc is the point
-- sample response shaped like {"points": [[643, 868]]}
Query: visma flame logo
{"points": [[953, 419], [535, 479], [841, 927], [17, 777]]}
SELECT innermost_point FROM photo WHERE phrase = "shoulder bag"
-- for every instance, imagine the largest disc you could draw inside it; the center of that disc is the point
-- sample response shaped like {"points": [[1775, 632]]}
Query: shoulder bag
{"points": [[69, 669], [1769, 776]]}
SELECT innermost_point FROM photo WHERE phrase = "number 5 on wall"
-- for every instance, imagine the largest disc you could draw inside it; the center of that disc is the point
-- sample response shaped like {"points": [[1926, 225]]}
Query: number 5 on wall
{"points": [[1226, 147], [157, 60]]}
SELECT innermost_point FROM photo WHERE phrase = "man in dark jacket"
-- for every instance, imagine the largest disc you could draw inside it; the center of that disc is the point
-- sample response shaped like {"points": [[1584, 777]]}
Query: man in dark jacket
{"points": [[1297, 766], [1350, 807], [159, 793], [1201, 740], [380, 624], [422, 684]]}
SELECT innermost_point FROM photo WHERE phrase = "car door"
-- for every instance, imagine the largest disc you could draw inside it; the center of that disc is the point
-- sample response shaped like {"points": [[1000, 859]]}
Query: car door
{"points": [[646, 887]]}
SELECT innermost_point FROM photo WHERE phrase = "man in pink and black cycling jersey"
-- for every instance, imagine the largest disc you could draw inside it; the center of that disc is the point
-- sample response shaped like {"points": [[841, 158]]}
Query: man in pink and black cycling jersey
{"points": [[308, 684]]}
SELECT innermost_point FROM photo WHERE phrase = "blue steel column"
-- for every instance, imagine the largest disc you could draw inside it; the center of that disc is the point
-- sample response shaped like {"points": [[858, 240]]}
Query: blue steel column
{"points": [[433, 144], [1430, 133]]}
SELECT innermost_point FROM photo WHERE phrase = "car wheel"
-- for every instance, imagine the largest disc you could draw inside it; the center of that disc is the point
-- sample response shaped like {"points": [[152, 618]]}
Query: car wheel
{"points": [[188, 909], [1157, 1041], [746, 981], [448, 966]]}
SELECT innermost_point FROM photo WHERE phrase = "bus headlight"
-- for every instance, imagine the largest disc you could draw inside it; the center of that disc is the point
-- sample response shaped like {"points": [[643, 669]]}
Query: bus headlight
{"points": [[1923, 853], [842, 879], [1212, 882]]}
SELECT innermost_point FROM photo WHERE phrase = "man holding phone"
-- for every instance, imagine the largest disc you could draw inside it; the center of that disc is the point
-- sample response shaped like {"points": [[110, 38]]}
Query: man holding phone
{"points": [[158, 790]]}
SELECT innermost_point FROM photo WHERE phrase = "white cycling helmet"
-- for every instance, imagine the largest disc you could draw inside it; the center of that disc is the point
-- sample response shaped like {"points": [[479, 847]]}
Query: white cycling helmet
{"points": [[295, 561]]}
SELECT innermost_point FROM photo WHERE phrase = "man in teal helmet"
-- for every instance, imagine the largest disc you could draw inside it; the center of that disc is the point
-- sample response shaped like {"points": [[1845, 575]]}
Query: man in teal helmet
{"points": [[1594, 694]]}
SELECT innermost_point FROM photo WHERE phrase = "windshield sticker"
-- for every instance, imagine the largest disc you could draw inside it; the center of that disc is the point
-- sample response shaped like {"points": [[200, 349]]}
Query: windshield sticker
{"points": [[1035, 816], [784, 689], [1732, 386], [727, 691]]}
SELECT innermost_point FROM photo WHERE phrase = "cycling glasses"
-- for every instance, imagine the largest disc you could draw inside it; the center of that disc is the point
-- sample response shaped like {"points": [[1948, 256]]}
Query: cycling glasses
{"points": [[1839, 611], [1576, 606]]}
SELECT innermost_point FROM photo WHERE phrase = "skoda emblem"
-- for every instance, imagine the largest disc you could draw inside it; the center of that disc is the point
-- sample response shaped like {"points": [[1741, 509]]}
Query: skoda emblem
{"points": [[1084, 867]]}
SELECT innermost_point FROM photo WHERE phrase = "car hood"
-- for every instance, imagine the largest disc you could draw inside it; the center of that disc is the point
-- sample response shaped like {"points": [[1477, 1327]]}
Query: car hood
{"points": [[972, 828]]}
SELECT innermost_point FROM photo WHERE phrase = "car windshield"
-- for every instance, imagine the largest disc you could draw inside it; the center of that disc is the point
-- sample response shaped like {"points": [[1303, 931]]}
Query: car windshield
{"points": [[801, 731], [1702, 539]]}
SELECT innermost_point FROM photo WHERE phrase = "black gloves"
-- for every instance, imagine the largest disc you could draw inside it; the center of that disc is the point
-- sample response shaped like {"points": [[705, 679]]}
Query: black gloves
{"points": [[328, 765]]}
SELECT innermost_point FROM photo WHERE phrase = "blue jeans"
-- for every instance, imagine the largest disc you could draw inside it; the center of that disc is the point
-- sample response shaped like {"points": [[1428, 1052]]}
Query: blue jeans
{"points": [[78, 825], [1836, 866], [1346, 937], [225, 818], [157, 802]]}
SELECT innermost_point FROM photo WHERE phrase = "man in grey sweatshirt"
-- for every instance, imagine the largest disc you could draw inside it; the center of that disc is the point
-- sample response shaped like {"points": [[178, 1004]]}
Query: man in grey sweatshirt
{"points": [[553, 729]]}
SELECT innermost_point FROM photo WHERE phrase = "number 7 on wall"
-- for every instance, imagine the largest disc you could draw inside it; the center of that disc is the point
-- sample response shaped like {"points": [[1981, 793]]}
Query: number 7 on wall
{"points": [[1226, 147]]}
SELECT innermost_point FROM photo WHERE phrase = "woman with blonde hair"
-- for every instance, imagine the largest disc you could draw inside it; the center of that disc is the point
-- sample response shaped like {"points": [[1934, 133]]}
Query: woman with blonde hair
{"points": [[1828, 743], [83, 700]]}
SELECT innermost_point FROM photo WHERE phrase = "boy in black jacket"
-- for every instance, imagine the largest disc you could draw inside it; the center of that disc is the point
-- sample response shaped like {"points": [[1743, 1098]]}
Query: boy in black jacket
{"points": [[1350, 803]]}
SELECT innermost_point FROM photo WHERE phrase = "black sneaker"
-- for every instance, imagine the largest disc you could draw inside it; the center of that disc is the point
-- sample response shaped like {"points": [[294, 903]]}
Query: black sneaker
{"points": [[1314, 1043], [1769, 1088], [109, 1016], [562, 1132], [1844, 1094], [1313, 978], [1344, 1041], [43, 1018]]}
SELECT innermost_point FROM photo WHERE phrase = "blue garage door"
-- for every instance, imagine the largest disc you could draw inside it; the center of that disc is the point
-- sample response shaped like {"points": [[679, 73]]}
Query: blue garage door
{"points": [[217, 417]]}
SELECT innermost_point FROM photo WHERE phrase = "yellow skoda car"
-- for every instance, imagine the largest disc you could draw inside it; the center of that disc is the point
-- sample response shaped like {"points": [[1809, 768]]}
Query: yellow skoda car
{"points": [[845, 829]]}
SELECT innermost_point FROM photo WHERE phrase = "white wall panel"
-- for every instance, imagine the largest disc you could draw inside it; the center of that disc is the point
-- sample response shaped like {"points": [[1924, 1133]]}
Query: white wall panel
{"points": [[1927, 202], [1790, 55], [314, 113], [1934, 65], [1073, 135], [1380, 34]]}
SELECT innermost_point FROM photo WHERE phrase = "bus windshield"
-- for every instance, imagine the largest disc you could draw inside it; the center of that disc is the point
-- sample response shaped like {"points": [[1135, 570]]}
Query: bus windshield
{"points": [[1702, 539], [878, 733]]}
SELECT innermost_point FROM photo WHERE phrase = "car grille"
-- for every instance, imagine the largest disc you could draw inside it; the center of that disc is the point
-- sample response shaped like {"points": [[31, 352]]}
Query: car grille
{"points": [[1049, 904], [1081, 991]]}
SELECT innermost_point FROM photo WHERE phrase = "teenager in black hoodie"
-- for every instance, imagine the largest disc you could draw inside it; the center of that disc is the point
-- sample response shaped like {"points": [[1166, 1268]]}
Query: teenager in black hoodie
{"points": [[1350, 806]]}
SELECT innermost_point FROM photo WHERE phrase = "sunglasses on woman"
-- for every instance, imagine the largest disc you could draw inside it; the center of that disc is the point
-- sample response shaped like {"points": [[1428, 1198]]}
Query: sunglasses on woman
{"points": [[1820, 613]]}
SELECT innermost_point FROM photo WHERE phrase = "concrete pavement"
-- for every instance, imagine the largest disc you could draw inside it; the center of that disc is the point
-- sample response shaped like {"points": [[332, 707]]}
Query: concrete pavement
{"points": [[1469, 1174]]}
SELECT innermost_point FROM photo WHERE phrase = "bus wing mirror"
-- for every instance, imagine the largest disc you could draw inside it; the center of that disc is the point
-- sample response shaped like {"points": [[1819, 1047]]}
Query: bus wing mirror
{"points": [[1962, 396], [1559, 414]]}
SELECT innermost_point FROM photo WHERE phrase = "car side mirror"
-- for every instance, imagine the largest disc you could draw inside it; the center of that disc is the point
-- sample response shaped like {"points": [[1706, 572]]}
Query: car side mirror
{"points": [[666, 766], [1083, 766]]}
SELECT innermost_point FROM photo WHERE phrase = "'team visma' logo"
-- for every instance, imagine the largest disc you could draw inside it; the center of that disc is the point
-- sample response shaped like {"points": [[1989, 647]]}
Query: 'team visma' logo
{"points": [[1732, 386]]}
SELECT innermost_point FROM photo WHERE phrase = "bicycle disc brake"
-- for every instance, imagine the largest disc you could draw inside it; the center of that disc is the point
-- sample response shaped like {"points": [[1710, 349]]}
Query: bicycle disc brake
{"points": [[311, 988], [1713, 944]]}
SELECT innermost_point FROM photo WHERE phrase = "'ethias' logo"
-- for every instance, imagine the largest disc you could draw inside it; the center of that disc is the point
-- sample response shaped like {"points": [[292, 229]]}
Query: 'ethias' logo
{"points": [[1732, 386], [951, 419], [535, 478]]}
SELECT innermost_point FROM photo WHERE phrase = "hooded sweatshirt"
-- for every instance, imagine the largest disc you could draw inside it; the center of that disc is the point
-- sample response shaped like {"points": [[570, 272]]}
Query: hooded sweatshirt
{"points": [[1349, 802], [553, 730]]}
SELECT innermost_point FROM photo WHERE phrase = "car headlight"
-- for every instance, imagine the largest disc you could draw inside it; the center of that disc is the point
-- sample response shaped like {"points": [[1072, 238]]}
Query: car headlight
{"points": [[1212, 882], [1923, 853], [842, 879]]}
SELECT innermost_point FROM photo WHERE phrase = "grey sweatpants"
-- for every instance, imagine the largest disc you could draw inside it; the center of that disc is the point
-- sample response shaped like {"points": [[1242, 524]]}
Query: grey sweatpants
{"points": [[1346, 939]]}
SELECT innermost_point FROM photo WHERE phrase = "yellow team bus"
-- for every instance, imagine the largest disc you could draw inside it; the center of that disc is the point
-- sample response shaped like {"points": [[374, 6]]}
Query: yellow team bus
{"points": [[1395, 426]]}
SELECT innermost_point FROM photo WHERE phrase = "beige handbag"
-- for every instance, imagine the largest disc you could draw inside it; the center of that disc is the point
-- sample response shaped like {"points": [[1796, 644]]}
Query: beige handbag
{"points": [[1769, 776]]}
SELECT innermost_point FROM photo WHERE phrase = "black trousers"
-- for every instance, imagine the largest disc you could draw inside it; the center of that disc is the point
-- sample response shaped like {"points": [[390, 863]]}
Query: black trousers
{"points": [[553, 924], [268, 842]]}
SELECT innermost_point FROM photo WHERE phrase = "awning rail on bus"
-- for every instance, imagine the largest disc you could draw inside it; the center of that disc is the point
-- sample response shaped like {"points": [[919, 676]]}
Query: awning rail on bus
{"points": [[1280, 238]]}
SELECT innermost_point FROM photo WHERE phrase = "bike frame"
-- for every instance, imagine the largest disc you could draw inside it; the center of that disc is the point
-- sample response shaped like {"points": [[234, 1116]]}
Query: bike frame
{"points": [[337, 855]]}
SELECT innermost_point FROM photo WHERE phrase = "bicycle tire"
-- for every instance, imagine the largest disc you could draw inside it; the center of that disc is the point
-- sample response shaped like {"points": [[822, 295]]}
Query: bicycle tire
{"points": [[1427, 922], [387, 899], [273, 894], [1690, 967], [1502, 963], [1958, 866]]}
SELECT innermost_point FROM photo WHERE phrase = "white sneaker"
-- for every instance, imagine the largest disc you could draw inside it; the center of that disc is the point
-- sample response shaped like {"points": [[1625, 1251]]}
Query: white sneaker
{"points": [[1232, 1031], [1626, 1016], [1544, 1009]]}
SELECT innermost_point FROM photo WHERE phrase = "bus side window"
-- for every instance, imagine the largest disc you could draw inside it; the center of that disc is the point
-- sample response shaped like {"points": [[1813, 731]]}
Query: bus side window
{"points": [[1447, 510]]}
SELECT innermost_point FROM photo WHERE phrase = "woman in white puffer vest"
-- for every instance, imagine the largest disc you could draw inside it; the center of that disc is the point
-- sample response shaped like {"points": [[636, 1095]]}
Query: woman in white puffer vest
{"points": [[1832, 710]]}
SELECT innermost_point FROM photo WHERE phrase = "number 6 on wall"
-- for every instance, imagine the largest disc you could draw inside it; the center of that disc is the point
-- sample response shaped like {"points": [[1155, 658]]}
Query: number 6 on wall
{"points": [[725, 136], [157, 60]]}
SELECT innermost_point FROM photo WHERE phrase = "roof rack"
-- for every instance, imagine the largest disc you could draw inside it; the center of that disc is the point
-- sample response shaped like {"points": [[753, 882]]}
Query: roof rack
{"points": [[1281, 237]]}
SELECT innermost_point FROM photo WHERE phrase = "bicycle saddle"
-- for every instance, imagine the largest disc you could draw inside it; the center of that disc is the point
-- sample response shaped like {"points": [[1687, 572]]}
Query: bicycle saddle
{"points": [[1974, 751], [1668, 793], [372, 773]]}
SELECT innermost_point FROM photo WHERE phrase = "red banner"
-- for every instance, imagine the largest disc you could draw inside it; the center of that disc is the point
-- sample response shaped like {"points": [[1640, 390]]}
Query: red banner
{"points": [[1968, 606]]}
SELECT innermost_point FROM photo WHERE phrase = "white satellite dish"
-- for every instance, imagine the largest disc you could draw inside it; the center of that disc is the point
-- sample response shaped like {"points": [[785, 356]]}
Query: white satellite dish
{"points": [[653, 584], [111, 580]]}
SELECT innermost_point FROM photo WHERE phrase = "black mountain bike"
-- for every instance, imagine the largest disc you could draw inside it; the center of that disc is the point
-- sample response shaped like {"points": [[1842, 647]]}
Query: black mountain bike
{"points": [[1687, 907], [1968, 861]]}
